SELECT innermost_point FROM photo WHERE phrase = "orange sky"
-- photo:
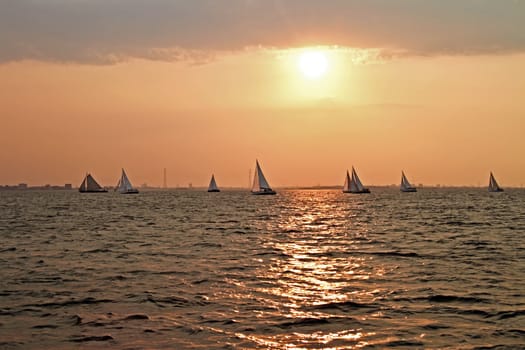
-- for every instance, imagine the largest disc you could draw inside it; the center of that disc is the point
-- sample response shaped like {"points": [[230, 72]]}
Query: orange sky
{"points": [[445, 119], [198, 87]]}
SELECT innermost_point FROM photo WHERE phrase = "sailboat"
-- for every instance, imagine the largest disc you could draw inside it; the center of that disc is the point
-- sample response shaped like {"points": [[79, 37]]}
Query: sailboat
{"points": [[213, 185], [124, 185], [405, 185], [353, 184], [260, 185], [89, 185], [493, 185]]}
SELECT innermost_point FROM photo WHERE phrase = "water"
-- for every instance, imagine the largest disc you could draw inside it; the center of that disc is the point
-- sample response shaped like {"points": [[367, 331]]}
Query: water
{"points": [[440, 268]]}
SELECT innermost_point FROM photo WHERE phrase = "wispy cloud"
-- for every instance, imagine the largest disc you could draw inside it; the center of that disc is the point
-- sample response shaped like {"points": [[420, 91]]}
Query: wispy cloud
{"points": [[108, 31]]}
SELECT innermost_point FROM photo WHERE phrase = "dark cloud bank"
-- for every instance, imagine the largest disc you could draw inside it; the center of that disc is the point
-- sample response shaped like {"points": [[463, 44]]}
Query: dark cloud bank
{"points": [[108, 31]]}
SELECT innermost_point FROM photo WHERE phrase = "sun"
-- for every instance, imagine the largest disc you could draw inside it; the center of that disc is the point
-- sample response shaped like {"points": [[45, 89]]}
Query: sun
{"points": [[313, 64]]}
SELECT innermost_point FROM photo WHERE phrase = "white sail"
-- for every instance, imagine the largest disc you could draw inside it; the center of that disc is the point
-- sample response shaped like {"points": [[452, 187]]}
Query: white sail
{"points": [[255, 185], [358, 186], [259, 181], [346, 187], [493, 184], [83, 186], [405, 185], [353, 184], [260, 185], [92, 185], [213, 185], [124, 185]]}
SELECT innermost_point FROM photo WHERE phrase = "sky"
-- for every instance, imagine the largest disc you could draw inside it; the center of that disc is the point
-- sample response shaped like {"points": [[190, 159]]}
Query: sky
{"points": [[435, 88]]}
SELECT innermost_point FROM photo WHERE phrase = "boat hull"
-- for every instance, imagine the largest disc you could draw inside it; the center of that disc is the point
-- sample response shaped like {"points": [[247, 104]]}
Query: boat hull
{"points": [[496, 190], [214, 191], [130, 192], [95, 191], [366, 190], [410, 189], [264, 193]]}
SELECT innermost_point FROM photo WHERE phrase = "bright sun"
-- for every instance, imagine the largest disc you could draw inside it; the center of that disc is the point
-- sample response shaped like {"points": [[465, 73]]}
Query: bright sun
{"points": [[313, 64]]}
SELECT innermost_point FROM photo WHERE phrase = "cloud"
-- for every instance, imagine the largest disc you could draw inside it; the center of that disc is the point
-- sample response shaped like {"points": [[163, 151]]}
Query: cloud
{"points": [[108, 31]]}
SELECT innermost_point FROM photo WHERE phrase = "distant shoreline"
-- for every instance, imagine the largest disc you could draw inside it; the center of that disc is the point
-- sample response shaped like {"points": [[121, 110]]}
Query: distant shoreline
{"points": [[284, 188]]}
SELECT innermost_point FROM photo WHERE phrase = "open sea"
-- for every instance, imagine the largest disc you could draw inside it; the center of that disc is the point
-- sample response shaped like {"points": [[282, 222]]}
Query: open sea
{"points": [[306, 269]]}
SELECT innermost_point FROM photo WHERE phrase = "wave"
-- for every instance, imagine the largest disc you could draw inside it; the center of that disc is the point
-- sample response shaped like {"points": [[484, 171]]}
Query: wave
{"points": [[435, 326], [509, 314], [77, 320], [343, 306], [175, 301], [304, 322], [136, 317], [208, 245], [10, 344], [72, 302], [11, 249], [44, 326], [441, 298], [311, 321], [515, 333], [497, 347], [467, 223], [97, 250], [91, 338], [403, 343], [391, 253]]}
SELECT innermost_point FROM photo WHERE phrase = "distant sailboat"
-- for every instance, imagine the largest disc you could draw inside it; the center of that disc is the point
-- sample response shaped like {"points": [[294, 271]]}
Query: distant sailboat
{"points": [[124, 185], [213, 185], [89, 185], [493, 185], [353, 184], [405, 185], [260, 185]]}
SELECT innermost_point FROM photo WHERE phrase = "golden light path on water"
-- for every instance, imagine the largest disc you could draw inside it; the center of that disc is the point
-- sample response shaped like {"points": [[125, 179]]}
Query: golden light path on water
{"points": [[317, 273]]}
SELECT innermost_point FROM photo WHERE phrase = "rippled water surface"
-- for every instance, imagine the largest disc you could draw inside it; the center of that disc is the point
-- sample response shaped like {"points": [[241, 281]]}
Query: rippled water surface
{"points": [[441, 268]]}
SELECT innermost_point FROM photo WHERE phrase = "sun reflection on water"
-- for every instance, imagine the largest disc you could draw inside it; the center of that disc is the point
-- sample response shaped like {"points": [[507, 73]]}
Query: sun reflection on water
{"points": [[300, 341], [314, 272]]}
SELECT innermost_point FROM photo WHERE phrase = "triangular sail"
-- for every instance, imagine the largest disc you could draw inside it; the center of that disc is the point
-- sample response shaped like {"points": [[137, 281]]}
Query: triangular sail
{"points": [[404, 182], [356, 182], [213, 184], [124, 184], [493, 184], [405, 185], [259, 181], [92, 185], [124, 181], [256, 187], [346, 186], [83, 186]]}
